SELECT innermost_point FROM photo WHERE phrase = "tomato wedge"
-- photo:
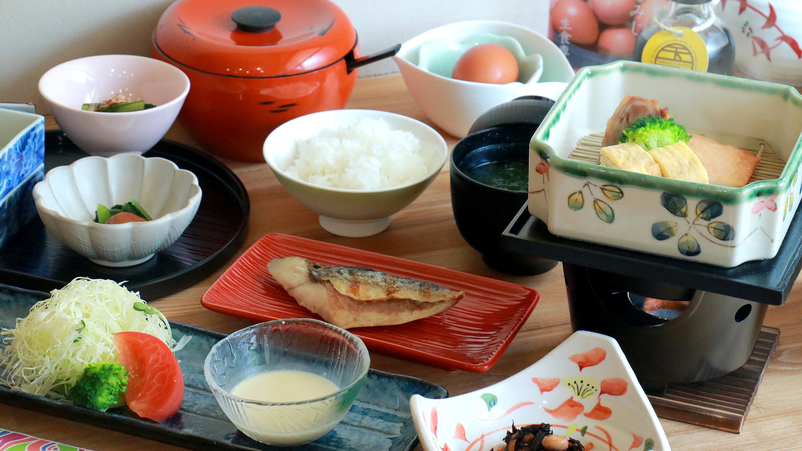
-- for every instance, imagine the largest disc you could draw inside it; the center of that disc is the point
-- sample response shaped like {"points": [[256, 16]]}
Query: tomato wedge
{"points": [[155, 383]]}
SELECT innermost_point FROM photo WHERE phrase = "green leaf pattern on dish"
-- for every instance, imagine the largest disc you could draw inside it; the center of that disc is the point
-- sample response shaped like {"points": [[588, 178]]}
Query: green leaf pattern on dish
{"points": [[490, 400]]}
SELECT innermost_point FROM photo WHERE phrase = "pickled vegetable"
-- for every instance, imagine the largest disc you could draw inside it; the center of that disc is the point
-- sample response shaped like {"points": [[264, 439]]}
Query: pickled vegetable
{"points": [[117, 104], [103, 214]]}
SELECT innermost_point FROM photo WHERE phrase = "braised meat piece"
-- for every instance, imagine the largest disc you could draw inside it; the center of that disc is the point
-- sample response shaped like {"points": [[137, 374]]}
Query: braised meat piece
{"points": [[628, 111]]}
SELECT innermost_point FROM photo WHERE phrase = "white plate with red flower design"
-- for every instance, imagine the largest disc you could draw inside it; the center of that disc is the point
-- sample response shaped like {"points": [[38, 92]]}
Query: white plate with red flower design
{"points": [[584, 388]]}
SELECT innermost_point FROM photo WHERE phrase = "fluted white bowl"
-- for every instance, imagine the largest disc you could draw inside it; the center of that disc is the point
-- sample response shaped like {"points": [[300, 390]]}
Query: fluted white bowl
{"points": [[68, 197]]}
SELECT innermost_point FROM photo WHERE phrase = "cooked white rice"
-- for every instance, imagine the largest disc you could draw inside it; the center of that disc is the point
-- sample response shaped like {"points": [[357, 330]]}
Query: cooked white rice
{"points": [[367, 155]]}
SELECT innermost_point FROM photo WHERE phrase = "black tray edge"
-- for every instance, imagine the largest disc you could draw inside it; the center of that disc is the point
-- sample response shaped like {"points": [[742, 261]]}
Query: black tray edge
{"points": [[764, 281]]}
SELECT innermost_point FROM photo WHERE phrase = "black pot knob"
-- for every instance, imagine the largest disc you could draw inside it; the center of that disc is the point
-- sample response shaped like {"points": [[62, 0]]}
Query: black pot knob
{"points": [[255, 19]]}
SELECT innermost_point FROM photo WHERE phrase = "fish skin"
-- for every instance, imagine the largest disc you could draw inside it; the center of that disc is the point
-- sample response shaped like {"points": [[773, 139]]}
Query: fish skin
{"points": [[359, 297]]}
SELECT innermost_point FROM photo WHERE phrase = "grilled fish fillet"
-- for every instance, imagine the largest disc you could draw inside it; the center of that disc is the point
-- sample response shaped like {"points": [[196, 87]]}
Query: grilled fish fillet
{"points": [[359, 297], [677, 161], [629, 157]]}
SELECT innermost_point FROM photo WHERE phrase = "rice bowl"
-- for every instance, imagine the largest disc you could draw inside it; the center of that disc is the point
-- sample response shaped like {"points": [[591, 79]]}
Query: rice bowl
{"points": [[348, 211], [367, 155]]}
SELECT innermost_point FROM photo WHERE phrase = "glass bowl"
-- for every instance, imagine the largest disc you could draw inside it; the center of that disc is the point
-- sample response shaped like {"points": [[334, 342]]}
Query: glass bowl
{"points": [[306, 354]]}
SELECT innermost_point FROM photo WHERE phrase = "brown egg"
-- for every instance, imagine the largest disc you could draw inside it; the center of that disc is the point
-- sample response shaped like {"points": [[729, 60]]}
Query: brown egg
{"points": [[617, 41], [486, 63], [575, 19], [613, 12]]}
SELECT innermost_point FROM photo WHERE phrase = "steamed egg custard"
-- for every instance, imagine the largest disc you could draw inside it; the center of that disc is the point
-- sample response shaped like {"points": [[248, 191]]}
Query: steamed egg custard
{"points": [[279, 425]]}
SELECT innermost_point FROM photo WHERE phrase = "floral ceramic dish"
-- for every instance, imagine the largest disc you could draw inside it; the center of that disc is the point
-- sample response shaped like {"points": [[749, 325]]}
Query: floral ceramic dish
{"points": [[767, 38], [584, 389], [712, 224]]}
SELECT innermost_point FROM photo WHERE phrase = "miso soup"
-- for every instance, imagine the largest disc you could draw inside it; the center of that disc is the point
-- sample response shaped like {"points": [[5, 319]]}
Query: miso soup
{"points": [[508, 175]]}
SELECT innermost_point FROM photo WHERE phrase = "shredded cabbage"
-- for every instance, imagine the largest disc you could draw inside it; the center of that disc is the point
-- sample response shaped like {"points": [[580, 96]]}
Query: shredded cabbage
{"points": [[48, 349]]}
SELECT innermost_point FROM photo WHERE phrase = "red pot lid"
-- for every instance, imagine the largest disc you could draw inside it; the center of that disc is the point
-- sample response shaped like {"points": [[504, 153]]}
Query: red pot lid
{"points": [[254, 38]]}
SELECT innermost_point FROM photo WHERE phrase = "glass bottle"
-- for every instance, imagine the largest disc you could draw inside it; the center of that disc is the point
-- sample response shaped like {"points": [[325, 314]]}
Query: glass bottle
{"points": [[687, 34]]}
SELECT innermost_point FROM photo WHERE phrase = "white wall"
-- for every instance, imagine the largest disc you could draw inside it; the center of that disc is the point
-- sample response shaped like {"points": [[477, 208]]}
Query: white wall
{"points": [[36, 35]]}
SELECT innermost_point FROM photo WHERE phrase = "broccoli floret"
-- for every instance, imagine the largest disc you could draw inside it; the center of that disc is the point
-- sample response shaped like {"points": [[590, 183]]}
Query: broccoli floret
{"points": [[100, 387], [653, 132]]}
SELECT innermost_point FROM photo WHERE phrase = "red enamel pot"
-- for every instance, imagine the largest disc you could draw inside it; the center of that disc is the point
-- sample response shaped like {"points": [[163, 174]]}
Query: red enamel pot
{"points": [[255, 64]]}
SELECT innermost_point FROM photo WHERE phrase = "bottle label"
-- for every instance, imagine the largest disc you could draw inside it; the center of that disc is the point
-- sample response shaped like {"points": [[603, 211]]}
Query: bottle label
{"points": [[676, 47]]}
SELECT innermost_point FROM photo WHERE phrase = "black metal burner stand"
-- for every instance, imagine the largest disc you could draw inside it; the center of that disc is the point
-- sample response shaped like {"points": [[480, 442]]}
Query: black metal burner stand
{"points": [[712, 341]]}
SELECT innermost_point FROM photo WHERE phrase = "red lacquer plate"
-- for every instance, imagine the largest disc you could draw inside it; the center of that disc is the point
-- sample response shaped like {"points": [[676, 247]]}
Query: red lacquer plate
{"points": [[470, 336]]}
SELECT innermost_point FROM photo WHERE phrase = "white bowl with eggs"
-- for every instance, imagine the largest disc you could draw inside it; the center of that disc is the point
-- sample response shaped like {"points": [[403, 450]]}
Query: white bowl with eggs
{"points": [[95, 79], [426, 63], [67, 201], [355, 194], [287, 382]]}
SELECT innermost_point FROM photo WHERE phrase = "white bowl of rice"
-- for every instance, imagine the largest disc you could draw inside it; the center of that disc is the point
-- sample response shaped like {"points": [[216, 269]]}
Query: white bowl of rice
{"points": [[355, 168]]}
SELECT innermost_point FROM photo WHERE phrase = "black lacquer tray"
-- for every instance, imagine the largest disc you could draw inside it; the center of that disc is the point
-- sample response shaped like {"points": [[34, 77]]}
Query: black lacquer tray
{"points": [[34, 259], [764, 281]]}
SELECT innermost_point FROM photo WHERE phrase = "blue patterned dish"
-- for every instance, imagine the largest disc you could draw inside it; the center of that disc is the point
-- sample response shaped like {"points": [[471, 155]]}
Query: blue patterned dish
{"points": [[379, 420], [717, 225], [22, 136], [17, 207]]}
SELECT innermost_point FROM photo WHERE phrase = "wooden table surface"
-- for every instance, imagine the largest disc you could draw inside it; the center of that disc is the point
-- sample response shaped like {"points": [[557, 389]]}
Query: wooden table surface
{"points": [[425, 231]]}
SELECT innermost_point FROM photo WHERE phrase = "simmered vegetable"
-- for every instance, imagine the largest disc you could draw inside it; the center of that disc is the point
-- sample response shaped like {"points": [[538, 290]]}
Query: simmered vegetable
{"points": [[125, 107], [103, 214]]}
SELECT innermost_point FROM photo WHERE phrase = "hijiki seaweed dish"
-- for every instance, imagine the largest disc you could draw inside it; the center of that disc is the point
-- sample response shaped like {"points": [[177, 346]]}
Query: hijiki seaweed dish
{"points": [[539, 437]]}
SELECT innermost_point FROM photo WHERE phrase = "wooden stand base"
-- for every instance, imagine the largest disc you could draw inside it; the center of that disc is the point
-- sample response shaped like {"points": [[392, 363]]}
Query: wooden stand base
{"points": [[720, 403]]}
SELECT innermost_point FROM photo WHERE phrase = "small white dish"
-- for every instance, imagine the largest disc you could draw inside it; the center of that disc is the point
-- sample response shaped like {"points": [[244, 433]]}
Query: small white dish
{"points": [[351, 212], [95, 79], [68, 198], [584, 388]]}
